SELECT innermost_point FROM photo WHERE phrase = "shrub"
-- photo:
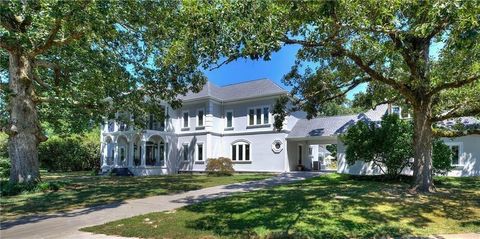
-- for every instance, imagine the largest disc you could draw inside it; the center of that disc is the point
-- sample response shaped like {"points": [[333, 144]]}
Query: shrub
{"points": [[4, 160], [9, 189], [71, 153], [220, 167], [388, 146]]}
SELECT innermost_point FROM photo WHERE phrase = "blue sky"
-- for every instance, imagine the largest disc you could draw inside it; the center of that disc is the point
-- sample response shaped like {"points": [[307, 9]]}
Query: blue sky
{"points": [[275, 69]]}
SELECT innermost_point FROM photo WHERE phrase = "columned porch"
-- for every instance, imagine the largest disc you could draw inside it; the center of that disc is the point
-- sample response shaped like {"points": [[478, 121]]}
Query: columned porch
{"points": [[143, 153]]}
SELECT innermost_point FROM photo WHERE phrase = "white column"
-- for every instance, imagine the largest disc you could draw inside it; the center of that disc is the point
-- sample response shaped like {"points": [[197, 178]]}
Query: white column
{"points": [[144, 153], [130, 154], [103, 155], [115, 154]]}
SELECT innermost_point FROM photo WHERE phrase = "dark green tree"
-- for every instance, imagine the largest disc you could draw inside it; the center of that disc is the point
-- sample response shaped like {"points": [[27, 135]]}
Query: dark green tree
{"points": [[388, 146], [68, 64]]}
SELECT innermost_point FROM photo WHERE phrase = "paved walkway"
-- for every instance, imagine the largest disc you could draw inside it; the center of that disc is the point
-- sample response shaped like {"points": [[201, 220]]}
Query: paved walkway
{"points": [[66, 225]]}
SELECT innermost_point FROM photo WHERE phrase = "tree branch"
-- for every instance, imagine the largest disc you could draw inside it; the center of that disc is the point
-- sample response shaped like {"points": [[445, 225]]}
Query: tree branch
{"points": [[50, 41], [290, 41], [454, 133], [341, 94], [376, 75], [454, 84], [455, 114]]}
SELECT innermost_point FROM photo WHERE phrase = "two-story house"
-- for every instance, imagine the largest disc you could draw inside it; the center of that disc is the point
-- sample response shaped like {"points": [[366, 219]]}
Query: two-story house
{"points": [[236, 121]]}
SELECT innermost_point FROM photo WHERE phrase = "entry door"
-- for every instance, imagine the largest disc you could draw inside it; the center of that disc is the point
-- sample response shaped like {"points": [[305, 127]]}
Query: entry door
{"points": [[300, 154]]}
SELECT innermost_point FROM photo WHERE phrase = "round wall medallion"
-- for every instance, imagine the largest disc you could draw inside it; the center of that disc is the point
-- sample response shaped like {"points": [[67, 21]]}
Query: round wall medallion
{"points": [[277, 146]]}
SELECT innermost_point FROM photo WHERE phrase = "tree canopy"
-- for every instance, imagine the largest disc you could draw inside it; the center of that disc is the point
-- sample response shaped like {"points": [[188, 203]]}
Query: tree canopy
{"points": [[69, 64], [422, 54]]}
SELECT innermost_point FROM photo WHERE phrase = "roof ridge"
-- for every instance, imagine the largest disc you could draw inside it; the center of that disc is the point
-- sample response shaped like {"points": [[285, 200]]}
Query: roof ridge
{"points": [[247, 81]]}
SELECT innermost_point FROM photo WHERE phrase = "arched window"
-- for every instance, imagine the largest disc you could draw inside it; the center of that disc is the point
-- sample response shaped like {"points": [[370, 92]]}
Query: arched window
{"points": [[241, 151]]}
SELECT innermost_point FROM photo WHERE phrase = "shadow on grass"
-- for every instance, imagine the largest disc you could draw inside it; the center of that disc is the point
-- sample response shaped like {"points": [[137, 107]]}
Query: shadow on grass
{"points": [[91, 191], [334, 207]]}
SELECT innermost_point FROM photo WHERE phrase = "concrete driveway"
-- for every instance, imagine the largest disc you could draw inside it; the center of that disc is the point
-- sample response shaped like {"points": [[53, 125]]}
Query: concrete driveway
{"points": [[66, 225]]}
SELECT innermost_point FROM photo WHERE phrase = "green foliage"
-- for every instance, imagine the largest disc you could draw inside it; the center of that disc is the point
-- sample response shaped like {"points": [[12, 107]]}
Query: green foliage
{"points": [[441, 157], [4, 160], [71, 153], [219, 167], [91, 53], [11, 189], [389, 146], [333, 149]]}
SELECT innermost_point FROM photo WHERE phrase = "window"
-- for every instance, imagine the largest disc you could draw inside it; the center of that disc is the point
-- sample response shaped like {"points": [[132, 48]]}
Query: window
{"points": [[456, 148], [251, 117], [241, 151], [200, 118], [396, 110], [310, 150], [185, 119], [200, 152], [265, 115], [229, 118], [258, 116], [185, 152]]}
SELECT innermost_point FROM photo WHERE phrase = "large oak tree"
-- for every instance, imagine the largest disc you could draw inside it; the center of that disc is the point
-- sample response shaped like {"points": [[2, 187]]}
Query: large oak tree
{"points": [[67, 64], [422, 54]]}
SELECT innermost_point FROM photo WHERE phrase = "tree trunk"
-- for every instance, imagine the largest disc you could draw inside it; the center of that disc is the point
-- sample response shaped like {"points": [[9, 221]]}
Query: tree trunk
{"points": [[422, 166], [24, 130]]}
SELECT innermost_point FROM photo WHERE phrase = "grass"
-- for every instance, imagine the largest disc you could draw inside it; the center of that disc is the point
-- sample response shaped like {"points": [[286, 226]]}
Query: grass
{"points": [[82, 190], [332, 206]]}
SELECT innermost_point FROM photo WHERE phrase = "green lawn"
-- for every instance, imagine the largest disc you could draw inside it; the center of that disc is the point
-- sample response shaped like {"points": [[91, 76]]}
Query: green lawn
{"points": [[82, 190], [333, 206]]}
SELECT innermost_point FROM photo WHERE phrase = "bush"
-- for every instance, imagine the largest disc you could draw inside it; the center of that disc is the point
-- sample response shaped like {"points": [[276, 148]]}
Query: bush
{"points": [[388, 146], [71, 153], [220, 167], [4, 167], [9, 189]]}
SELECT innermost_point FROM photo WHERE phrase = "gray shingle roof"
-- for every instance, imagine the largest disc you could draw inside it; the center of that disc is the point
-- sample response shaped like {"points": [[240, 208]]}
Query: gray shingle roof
{"points": [[466, 121], [243, 90], [333, 125]]}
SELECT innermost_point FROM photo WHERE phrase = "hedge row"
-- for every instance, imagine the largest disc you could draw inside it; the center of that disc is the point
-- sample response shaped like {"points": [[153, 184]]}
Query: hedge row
{"points": [[68, 153]]}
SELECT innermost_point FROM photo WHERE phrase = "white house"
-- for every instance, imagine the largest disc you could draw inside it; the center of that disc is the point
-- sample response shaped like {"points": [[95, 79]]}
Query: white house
{"points": [[236, 121]]}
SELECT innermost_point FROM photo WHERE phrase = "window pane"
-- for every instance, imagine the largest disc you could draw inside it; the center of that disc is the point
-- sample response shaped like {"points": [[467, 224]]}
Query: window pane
{"points": [[247, 152], [185, 119], [229, 119], [265, 115], [455, 154], [200, 152], [234, 152], [240, 152], [162, 154], [251, 117], [185, 152], [200, 118], [259, 116]]}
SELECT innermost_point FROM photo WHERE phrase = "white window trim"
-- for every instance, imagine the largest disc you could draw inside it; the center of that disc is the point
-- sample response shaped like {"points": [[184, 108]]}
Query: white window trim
{"points": [[244, 149], [183, 120], [183, 152], [460, 152], [262, 123], [226, 119], [198, 119], [203, 152]]}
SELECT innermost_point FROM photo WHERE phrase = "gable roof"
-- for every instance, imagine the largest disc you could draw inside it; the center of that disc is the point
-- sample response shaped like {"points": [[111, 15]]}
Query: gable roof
{"points": [[238, 91], [333, 125]]}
